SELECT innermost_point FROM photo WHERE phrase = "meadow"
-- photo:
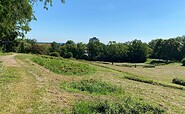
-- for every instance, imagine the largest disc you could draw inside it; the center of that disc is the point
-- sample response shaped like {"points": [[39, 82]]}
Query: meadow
{"points": [[43, 84]]}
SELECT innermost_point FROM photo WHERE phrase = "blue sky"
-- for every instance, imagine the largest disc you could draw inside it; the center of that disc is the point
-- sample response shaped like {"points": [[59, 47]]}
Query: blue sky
{"points": [[109, 20]]}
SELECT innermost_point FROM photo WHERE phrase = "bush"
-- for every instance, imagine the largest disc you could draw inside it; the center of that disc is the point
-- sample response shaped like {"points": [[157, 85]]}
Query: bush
{"points": [[183, 62], [40, 49], [92, 86], [178, 81], [123, 106], [55, 54], [68, 55]]}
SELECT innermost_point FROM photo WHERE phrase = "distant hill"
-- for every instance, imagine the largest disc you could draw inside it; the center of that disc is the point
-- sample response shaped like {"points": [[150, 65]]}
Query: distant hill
{"points": [[49, 43]]}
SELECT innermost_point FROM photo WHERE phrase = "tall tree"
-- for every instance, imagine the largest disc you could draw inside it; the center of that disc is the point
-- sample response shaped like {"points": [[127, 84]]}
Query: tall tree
{"points": [[138, 51], [171, 50], [81, 50], [95, 49], [116, 52], [15, 16], [54, 47], [157, 48]]}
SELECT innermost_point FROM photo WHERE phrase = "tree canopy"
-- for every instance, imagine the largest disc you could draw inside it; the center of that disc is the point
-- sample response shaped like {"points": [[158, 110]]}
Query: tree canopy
{"points": [[15, 16]]}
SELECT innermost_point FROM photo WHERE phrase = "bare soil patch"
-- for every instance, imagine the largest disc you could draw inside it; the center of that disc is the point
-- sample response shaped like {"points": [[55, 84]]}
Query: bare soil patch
{"points": [[9, 60]]}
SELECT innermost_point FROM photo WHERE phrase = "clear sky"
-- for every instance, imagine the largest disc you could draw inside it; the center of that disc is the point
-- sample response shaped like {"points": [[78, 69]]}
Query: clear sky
{"points": [[109, 20]]}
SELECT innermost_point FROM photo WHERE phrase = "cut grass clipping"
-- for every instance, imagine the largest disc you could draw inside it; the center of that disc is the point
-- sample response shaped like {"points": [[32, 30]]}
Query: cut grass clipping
{"points": [[92, 86], [149, 81], [178, 81], [6, 76], [123, 106], [63, 66]]}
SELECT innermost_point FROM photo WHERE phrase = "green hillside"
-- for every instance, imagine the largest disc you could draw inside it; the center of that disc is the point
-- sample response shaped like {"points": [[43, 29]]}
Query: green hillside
{"points": [[43, 84]]}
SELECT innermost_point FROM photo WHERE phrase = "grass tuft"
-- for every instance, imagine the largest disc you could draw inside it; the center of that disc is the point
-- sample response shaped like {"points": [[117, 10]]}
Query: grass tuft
{"points": [[123, 106], [178, 81], [92, 86]]}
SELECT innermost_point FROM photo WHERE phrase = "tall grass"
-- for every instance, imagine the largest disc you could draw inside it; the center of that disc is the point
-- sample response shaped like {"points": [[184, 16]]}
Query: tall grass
{"points": [[178, 81], [63, 66], [127, 105], [92, 86]]}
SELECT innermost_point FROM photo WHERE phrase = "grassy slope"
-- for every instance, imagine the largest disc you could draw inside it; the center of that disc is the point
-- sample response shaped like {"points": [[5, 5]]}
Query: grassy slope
{"points": [[169, 98], [163, 73], [45, 95], [16, 90]]}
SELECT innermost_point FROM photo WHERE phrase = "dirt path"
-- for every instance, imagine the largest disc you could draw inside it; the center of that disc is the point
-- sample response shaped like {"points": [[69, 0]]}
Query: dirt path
{"points": [[9, 60], [35, 91]]}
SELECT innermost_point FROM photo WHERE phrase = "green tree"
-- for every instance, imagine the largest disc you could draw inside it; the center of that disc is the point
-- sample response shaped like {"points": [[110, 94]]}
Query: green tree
{"points": [[8, 42], [138, 51], [15, 16], [41, 49], [116, 51], [81, 49], [171, 50], [23, 46], [71, 47], [95, 49], [157, 48], [54, 47]]}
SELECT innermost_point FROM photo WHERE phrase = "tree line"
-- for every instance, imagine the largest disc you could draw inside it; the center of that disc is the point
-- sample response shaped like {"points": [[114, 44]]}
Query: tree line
{"points": [[133, 51]]}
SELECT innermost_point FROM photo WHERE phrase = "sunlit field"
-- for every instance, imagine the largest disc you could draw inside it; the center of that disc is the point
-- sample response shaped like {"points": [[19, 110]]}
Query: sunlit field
{"points": [[100, 88]]}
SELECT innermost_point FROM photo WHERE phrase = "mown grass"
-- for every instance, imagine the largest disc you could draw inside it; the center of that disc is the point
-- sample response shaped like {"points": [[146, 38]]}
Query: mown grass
{"points": [[143, 79], [125, 105], [3, 54], [33, 96], [92, 86], [164, 73], [150, 81], [63, 66], [7, 74]]}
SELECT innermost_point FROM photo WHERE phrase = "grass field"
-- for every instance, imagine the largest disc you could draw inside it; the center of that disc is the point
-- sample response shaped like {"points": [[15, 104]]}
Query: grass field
{"points": [[28, 87], [165, 73]]}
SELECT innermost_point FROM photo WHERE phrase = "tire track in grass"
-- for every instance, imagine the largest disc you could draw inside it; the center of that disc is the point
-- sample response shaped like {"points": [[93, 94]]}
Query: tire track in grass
{"points": [[19, 92], [49, 97]]}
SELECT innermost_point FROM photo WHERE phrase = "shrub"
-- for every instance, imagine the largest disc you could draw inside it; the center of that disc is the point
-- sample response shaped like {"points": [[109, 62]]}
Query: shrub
{"points": [[40, 49], [55, 54], [123, 106], [183, 62], [92, 86], [68, 55], [178, 81]]}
